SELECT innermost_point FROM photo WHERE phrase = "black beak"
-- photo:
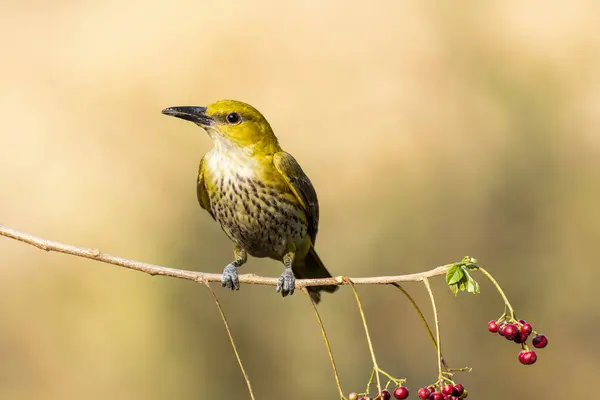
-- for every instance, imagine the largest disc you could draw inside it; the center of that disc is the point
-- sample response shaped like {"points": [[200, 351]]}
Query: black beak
{"points": [[195, 114]]}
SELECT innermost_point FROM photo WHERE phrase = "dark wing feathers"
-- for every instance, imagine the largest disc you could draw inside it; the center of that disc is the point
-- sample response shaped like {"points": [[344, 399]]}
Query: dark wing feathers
{"points": [[302, 188]]}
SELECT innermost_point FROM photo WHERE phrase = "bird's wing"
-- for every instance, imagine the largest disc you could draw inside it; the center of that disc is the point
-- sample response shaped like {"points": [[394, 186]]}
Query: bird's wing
{"points": [[203, 198], [302, 188]]}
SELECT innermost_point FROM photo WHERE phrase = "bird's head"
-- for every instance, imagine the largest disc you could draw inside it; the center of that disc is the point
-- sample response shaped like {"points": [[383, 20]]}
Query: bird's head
{"points": [[231, 123]]}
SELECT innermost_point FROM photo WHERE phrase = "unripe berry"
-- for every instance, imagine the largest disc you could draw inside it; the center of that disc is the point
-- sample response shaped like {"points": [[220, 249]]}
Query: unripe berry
{"points": [[353, 396]]}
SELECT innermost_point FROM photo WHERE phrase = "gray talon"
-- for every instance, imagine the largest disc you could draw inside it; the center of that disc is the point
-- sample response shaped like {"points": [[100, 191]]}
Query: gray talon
{"points": [[286, 283], [230, 278]]}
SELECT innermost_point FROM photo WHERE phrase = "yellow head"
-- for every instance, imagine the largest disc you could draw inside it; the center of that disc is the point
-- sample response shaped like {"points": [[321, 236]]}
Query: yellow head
{"points": [[231, 123]]}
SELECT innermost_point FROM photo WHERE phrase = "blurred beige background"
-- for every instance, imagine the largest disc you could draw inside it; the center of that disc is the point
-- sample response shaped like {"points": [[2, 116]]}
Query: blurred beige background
{"points": [[431, 132]]}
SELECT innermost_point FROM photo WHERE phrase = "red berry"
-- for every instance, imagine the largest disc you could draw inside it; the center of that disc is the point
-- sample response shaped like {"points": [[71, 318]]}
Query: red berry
{"points": [[448, 389], [385, 395], [353, 396], [501, 327], [458, 390], [522, 322], [401, 392], [520, 337], [423, 393], [493, 326], [366, 398], [526, 329], [510, 331], [527, 357], [540, 341], [436, 396]]}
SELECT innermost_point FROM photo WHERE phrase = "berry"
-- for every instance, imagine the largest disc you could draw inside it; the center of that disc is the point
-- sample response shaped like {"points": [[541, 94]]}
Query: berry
{"points": [[510, 331], [366, 398], [401, 392], [520, 337], [385, 395], [423, 393], [458, 390], [353, 396], [522, 322], [501, 327], [493, 326], [436, 396], [540, 341], [527, 357], [526, 329], [448, 389]]}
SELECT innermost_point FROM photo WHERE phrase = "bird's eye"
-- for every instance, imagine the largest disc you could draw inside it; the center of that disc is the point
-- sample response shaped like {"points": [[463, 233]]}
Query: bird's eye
{"points": [[234, 118]]}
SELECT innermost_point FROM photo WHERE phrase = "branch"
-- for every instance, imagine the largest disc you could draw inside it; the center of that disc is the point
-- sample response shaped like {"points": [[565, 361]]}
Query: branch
{"points": [[203, 277]]}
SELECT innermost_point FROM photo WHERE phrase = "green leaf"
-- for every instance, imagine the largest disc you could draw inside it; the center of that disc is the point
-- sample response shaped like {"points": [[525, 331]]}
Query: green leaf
{"points": [[453, 289], [472, 285], [454, 275], [459, 279]]}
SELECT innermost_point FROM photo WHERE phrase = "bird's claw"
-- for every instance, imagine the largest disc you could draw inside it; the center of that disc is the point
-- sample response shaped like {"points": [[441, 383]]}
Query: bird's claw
{"points": [[286, 283], [230, 277]]}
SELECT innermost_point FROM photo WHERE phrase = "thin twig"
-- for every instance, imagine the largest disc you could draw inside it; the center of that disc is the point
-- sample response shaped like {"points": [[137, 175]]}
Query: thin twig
{"points": [[237, 355], [506, 302], [423, 319], [437, 328], [93, 254], [327, 345], [364, 320]]}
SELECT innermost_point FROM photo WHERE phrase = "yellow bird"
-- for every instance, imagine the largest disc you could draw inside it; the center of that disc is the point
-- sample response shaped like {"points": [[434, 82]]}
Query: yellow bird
{"points": [[259, 194]]}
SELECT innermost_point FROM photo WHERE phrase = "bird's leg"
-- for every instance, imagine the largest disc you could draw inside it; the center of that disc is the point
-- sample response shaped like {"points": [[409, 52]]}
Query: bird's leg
{"points": [[287, 282], [230, 277]]}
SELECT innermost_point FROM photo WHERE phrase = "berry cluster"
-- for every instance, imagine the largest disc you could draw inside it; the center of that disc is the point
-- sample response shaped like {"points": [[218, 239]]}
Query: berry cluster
{"points": [[518, 332], [400, 393], [445, 392]]}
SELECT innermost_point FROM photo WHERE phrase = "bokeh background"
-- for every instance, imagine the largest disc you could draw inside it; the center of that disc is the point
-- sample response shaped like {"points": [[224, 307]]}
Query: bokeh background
{"points": [[431, 131]]}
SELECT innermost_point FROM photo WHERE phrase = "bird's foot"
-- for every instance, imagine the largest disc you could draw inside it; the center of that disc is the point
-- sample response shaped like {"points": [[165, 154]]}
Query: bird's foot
{"points": [[286, 283], [230, 278]]}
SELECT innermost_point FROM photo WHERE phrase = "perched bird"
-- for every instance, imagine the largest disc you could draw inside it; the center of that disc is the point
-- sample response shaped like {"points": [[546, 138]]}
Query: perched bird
{"points": [[259, 194]]}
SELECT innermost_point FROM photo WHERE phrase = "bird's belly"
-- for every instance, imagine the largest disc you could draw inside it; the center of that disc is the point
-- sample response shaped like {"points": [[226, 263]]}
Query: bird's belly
{"points": [[264, 219]]}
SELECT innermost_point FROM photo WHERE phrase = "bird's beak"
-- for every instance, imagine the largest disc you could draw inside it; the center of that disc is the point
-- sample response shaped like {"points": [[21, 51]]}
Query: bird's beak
{"points": [[195, 114]]}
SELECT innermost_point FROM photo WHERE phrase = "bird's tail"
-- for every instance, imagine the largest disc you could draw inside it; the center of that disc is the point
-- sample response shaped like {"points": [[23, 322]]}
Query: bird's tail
{"points": [[311, 267]]}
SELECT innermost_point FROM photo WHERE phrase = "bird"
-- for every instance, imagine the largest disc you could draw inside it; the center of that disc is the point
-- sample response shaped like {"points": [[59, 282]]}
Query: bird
{"points": [[258, 193]]}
